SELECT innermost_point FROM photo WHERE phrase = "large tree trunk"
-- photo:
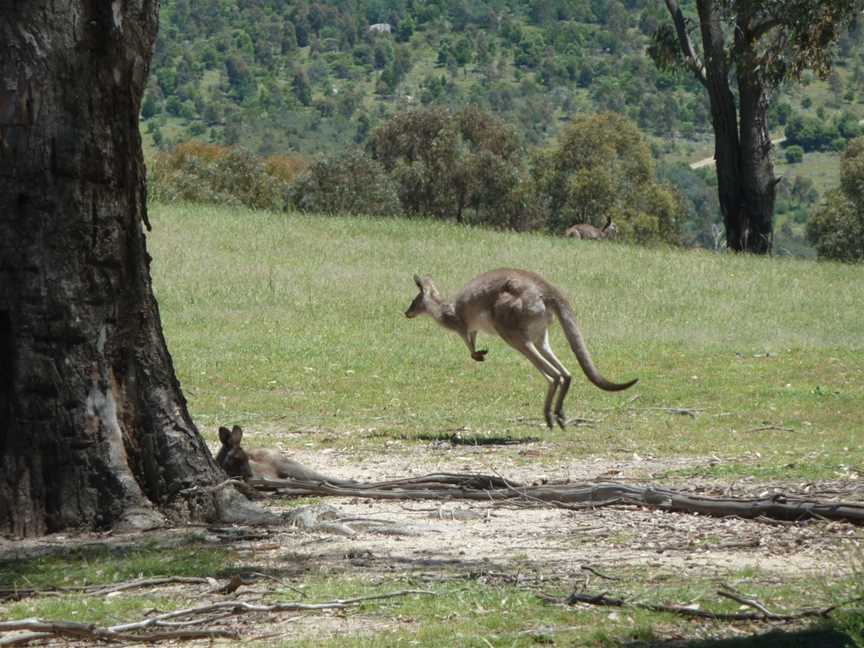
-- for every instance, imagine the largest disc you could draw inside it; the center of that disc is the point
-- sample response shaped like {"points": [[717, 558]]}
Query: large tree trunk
{"points": [[742, 145], [94, 430], [724, 120], [756, 228]]}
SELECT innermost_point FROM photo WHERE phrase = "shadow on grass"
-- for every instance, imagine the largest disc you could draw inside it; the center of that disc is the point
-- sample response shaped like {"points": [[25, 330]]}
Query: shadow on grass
{"points": [[459, 439], [71, 566], [819, 637]]}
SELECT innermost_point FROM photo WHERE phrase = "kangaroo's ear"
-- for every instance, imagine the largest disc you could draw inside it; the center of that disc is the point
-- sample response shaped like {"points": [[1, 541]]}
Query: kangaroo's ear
{"points": [[236, 435], [425, 284], [224, 434]]}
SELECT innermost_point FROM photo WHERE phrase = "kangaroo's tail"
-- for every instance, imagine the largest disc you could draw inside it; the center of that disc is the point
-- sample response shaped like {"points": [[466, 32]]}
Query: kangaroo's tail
{"points": [[574, 337]]}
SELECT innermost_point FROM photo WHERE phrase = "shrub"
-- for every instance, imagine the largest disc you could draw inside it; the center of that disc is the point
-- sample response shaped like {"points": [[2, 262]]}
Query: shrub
{"points": [[794, 154], [350, 183], [285, 167], [199, 172], [460, 165], [818, 134], [602, 168], [836, 229]]}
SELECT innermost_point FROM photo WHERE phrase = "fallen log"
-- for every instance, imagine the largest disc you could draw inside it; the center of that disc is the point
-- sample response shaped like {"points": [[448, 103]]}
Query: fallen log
{"points": [[448, 486], [762, 614]]}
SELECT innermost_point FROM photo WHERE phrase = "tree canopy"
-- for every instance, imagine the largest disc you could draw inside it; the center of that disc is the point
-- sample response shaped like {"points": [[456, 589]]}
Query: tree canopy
{"points": [[601, 169]]}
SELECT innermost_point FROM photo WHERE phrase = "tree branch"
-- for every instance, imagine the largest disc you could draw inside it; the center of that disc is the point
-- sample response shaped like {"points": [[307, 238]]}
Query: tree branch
{"points": [[690, 56], [759, 30]]}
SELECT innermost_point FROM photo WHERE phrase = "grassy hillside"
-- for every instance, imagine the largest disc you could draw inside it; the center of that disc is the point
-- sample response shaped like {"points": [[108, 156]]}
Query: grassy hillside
{"points": [[294, 324], [312, 79], [282, 75]]}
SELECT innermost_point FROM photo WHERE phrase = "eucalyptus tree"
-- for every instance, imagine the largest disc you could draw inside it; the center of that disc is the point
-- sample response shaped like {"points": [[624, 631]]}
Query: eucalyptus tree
{"points": [[741, 51], [94, 429]]}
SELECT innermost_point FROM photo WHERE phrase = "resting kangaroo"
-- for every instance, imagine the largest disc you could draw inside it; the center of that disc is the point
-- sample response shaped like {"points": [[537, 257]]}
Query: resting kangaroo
{"points": [[260, 463], [516, 305], [586, 231]]}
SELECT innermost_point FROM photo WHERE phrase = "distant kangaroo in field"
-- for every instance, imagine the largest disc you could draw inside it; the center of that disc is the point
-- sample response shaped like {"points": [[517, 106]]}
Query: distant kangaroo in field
{"points": [[588, 232], [516, 305], [261, 463]]}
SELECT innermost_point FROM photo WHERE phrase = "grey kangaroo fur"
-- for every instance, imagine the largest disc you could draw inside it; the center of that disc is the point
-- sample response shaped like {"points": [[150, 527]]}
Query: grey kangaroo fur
{"points": [[262, 463], [516, 305], [589, 232]]}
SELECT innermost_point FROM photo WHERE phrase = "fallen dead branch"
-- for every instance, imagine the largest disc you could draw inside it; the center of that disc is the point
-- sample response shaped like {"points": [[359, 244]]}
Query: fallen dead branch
{"points": [[447, 486], [101, 590], [43, 629], [762, 614], [17, 594], [39, 629]]}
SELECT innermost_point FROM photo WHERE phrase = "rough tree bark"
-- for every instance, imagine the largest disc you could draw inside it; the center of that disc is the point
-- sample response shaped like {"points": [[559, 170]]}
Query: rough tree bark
{"points": [[94, 430]]}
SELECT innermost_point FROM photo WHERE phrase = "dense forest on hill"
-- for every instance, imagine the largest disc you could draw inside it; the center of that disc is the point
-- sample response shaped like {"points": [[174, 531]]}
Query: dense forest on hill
{"points": [[283, 76]]}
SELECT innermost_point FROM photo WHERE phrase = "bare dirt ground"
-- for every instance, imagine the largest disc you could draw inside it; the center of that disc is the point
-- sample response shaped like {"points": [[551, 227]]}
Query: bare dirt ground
{"points": [[557, 542], [545, 548]]}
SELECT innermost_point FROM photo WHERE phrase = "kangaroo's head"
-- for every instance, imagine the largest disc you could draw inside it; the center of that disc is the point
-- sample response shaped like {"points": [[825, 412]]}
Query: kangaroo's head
{"points": [[610, 230], [428, 293], [231, 457]]}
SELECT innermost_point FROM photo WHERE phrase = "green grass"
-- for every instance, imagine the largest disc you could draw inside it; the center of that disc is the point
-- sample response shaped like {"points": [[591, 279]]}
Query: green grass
{"points": [[470, 613], [84, 608], [771, 472], [464, 611], [281, 322], [104, 567], [823, 168]]}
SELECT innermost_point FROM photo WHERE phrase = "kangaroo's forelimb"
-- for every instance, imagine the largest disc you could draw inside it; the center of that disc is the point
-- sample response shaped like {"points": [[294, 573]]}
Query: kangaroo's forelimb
{"points": [[470, 338]]}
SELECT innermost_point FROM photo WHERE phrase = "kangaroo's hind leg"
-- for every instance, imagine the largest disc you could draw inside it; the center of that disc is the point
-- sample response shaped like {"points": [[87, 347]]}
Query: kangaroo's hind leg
{"points": [[546, 351], [527, 348]]}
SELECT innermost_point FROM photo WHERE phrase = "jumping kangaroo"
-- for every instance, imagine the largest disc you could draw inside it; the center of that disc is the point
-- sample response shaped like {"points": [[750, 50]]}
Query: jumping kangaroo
{"points": [[588, 232], [516, 305], [261, 463]]}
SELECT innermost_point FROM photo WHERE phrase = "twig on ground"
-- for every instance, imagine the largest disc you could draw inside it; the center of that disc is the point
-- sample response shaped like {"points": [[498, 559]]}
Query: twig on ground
{"points": [[43, 629], [577, 421], [202, 614], [280, 582], [766, 428], [594, 571], [749, 601], [683, 411], [101, 590], [689, 611], [146, 582]]}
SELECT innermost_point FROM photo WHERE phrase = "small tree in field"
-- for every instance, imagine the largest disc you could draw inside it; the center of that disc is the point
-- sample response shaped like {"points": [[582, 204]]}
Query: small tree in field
{"points": [[836, 229], [602, 168], [794, 154], [447, 164]]}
